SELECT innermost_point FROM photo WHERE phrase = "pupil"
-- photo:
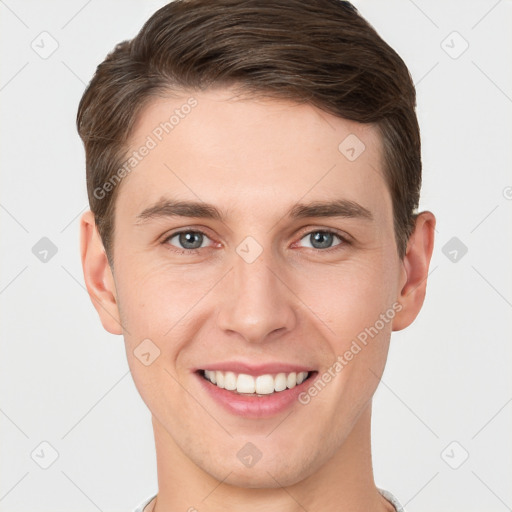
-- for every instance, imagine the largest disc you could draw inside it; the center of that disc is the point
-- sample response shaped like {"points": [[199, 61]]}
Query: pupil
{"points": [[191, 240], [321, 240]]}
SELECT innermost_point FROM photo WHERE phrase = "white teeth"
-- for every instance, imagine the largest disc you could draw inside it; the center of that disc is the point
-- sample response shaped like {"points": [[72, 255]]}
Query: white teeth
{"points": [[264, 384], [219, 376], [280, 382], [261, 385], [291, 380], [245, 383], [301, 377], [210, 375], [230, 381]]}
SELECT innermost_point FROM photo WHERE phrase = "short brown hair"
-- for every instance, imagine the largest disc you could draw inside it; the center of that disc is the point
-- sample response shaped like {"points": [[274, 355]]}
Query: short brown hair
{"points": [[320, 52]]}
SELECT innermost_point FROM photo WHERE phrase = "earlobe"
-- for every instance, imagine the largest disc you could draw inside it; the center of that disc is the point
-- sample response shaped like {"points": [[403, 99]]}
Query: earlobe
{"points": [[98, 274], [415, 270]]}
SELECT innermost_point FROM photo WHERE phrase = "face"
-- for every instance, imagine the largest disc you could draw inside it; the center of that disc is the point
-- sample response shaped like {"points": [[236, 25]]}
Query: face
{"points": [[252, 250]]}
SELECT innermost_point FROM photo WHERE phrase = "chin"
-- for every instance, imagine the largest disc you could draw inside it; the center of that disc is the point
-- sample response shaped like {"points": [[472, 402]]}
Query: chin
{"points": [[260, 479], [265, 474]]}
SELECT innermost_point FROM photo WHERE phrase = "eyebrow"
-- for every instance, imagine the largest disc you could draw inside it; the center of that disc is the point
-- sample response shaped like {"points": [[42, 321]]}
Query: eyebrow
{"points": [[172, 208]]}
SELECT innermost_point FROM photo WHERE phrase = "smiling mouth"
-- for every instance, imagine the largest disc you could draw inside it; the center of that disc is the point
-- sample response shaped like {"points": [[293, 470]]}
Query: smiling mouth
{"points": [[260, 385]]}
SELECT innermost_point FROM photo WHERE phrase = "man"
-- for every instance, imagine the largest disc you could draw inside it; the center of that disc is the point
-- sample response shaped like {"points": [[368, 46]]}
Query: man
{"points": [[253, 170]]}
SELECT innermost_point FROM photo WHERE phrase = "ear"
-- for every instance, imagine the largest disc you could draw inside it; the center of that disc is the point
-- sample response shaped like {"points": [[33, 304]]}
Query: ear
{"points": [[98, 276], [415, 270]]}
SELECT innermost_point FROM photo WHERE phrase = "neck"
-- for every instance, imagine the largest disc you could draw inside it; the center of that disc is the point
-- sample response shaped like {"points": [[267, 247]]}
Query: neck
{"points": [[344, 483]]}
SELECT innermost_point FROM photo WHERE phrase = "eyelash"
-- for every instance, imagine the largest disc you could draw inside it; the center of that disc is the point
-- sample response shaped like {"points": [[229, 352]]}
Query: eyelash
{"points": [[344, 240]]}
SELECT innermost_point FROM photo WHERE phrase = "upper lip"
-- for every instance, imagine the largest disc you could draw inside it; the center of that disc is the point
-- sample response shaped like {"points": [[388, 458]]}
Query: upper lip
{"points": [[255, 369]]}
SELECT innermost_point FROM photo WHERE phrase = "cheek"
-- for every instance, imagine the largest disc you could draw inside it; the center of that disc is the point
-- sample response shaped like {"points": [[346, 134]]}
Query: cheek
{"points": [[152, 298], [349, 298], [357, 306], [156, 304]]}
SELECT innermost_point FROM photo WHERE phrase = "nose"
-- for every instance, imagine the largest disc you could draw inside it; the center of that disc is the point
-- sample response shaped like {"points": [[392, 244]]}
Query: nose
{"points": [[256, 303]]}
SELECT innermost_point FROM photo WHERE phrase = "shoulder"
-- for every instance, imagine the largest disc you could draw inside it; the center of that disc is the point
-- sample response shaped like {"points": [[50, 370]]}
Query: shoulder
{"points": [[391, 498], [144, 504]]}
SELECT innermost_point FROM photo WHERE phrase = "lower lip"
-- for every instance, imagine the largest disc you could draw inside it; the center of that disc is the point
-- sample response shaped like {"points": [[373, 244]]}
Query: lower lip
{"points": [[249, 406]]}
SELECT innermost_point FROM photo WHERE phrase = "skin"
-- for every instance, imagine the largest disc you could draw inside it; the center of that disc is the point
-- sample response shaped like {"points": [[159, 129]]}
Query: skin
{"points": [[254, 159]]}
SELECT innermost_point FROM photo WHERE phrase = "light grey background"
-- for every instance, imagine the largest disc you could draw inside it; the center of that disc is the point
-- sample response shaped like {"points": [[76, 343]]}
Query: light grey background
{"points": [[446, 391]]}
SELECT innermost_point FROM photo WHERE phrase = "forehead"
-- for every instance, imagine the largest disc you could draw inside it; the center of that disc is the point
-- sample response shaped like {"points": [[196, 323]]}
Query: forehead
{"points": [[217, 147]]}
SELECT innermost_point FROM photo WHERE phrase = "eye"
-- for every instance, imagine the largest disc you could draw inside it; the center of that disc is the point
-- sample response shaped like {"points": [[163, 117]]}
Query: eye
{"points": [[322, 239], [188, 240]]}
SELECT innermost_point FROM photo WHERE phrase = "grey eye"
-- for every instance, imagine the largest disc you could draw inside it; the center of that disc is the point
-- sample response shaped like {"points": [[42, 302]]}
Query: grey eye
{"points": [[321, 239], [188, 239]]}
